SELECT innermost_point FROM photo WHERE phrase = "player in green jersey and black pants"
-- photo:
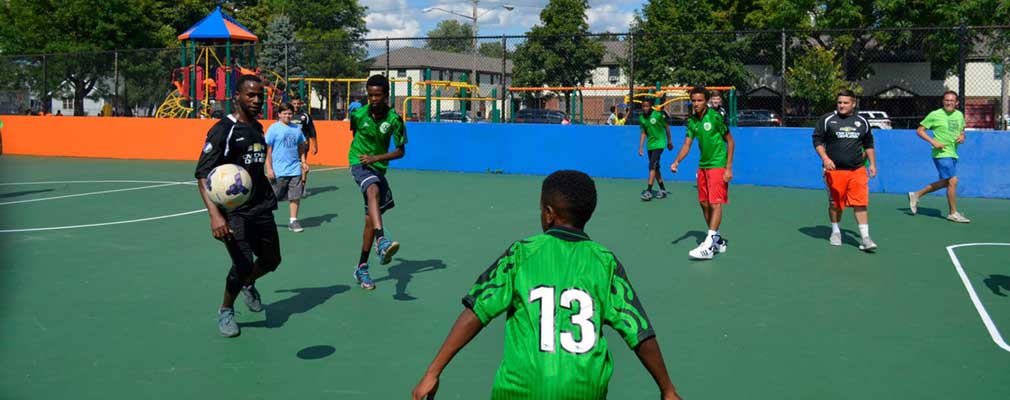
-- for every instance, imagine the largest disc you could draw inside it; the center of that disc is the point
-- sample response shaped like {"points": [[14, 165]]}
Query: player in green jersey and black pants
{"points": [[557, 289], [373, 126], [657, 133]]}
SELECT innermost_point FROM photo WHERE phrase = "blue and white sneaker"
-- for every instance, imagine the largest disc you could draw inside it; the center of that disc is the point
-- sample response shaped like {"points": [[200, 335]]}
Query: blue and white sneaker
{"points": [[364, 279], [646, 195], [226, 324], [386, 249], [722, 245], [661, 194], [252, 298]]}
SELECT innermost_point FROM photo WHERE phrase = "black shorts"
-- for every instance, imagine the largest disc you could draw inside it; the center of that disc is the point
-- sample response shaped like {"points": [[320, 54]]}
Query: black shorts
{"points": [[365, 177], [252, 235], [654, 156]]}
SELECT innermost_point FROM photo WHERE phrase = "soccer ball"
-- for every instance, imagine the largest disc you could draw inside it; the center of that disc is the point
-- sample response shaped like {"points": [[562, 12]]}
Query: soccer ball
{"points": [[229, 186]]}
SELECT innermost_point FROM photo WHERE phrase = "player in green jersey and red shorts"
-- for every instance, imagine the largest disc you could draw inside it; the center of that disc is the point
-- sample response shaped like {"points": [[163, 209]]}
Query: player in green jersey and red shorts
{"points": [[557, 289], [715, 168], [373, 126]]}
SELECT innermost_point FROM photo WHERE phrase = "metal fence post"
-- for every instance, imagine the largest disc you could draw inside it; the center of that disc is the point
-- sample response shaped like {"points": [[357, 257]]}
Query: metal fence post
{"points": [[115, 84], [782, 95], [504, 71], [962, 49], [631, 72], [45, 84], [387, 57]]}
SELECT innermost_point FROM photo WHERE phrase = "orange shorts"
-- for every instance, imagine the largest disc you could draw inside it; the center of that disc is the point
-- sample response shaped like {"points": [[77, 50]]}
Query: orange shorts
{"points": [[848, 188], [712, 188]]}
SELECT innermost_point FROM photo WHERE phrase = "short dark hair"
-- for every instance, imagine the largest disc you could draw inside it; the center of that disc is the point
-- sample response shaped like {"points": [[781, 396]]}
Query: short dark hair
{"points": [[296, 96], [950, 92], [246, 78], [846, 93], [572, 194], [285, 106], [698, 90], [378, 80], [650, 100], [613, 108]]}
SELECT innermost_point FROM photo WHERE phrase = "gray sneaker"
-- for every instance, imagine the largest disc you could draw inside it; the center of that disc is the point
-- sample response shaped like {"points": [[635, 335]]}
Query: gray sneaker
{"points": [[835, 239], [252, 298], [867, 245], [646, 195], [661, 194], [295, 227], [913, 202], [957, 217], [226, 323]]}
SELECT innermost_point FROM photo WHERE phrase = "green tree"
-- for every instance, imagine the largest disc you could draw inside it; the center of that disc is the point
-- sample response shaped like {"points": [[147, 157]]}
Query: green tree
{"points": [[816, 77], [451, 35], [280, 51], [695, 58], [557, 52], [491, 49], [82, 27]]}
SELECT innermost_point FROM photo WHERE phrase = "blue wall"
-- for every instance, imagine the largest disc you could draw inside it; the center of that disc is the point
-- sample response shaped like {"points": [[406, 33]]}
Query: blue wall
{"points": [[764, 156]]}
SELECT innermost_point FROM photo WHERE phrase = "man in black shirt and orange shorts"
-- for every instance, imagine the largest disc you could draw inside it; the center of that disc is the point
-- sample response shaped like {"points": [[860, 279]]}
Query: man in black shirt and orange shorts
{"points": [[844, 142]]}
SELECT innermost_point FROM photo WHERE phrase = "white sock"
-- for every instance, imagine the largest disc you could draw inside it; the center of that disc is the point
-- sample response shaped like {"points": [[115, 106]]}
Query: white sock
{"points": [[711, 233], [290, 220], [835, 228], [864, 230]]}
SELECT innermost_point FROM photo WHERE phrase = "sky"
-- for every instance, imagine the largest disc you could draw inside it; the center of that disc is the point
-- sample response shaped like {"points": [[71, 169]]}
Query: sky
{"points": [[406, 18]]}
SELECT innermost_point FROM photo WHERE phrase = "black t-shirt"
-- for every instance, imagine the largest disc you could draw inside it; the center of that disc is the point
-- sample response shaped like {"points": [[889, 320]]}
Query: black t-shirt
{"points": [[233, 142], [304, 121], [844, 138]]}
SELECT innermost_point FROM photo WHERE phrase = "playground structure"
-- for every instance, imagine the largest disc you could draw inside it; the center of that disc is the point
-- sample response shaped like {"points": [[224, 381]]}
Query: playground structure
{"points": [[576, 106], [203, 80]]}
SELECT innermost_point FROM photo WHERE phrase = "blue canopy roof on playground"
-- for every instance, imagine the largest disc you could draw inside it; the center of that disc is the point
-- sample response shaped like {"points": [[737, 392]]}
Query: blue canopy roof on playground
{"points": [[218, 26]]}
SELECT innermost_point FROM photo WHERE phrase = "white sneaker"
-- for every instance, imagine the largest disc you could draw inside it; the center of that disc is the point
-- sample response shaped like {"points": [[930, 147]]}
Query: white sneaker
{"points": [[913, 202], [704, 251], [867, 245], [835, 239], [957, 217], [722, 245]]}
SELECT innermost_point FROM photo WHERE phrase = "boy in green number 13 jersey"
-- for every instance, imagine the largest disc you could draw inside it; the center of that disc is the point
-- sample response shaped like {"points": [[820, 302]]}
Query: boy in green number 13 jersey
{"points": [[558, 289]]}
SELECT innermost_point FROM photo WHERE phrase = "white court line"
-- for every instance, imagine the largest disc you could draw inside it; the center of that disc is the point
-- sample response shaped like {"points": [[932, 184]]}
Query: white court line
{"points": [[101, 181], [54, 228], [95, 193], [989, 325]]}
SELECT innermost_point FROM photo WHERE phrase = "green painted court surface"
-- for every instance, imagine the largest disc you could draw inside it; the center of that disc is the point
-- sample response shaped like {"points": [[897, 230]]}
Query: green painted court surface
{"points": [[127, 311]]}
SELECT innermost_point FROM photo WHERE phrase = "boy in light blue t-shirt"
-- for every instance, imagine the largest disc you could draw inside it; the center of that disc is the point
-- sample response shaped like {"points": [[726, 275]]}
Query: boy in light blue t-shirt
{"points": [[286, 161]]}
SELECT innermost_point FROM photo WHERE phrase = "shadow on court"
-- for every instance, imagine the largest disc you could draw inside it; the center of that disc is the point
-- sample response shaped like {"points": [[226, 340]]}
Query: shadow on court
{"points": [[23, 193], [305, 299], [823, 232], [404, 272], [316, 352], [697, 235], [924, 211], [996, 282], [312, 222], [313, 191]]}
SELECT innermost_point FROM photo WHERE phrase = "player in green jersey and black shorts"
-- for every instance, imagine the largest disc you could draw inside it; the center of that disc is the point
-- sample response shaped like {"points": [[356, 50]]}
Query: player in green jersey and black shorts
{"points": [[657, 133], [557, 289], [373, 126], [715, 168]]}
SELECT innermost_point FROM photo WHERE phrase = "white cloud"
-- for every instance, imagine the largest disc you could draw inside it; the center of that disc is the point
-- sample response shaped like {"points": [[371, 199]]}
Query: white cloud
{"points": [[382, 25], [609, 18]]}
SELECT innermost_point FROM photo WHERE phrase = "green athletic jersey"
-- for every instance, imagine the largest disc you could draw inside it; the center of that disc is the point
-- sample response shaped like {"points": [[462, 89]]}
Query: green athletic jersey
{"points": [[655, 129], [708, 132], [559, 289], [946, 128], [371, 137]]}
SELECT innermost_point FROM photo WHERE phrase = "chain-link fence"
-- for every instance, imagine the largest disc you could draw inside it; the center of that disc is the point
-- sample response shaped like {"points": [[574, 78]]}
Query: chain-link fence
{"points": [[766, 78]]}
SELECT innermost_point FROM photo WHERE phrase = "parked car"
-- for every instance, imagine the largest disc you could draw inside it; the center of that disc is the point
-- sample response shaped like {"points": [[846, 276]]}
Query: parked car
{"points": [[877, 119], [452, 116], [758, 118], [538, 116]]}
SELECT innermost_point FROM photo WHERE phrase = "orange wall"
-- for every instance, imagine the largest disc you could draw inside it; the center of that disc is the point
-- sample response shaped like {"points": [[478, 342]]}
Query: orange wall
{"points": [[140, 138]]}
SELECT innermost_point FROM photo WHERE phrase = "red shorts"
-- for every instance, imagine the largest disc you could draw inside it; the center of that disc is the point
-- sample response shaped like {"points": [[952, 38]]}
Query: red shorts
{"points": [[712, 187], [848, 188]]}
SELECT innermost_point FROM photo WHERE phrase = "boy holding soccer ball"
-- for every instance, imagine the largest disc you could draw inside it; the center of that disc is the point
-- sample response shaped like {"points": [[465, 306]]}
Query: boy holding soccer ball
{"points": [[247, 230]]}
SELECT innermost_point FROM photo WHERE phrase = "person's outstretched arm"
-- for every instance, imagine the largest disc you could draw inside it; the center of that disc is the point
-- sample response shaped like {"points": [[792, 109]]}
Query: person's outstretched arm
{"points": [[652, 359], [466, 327]]}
